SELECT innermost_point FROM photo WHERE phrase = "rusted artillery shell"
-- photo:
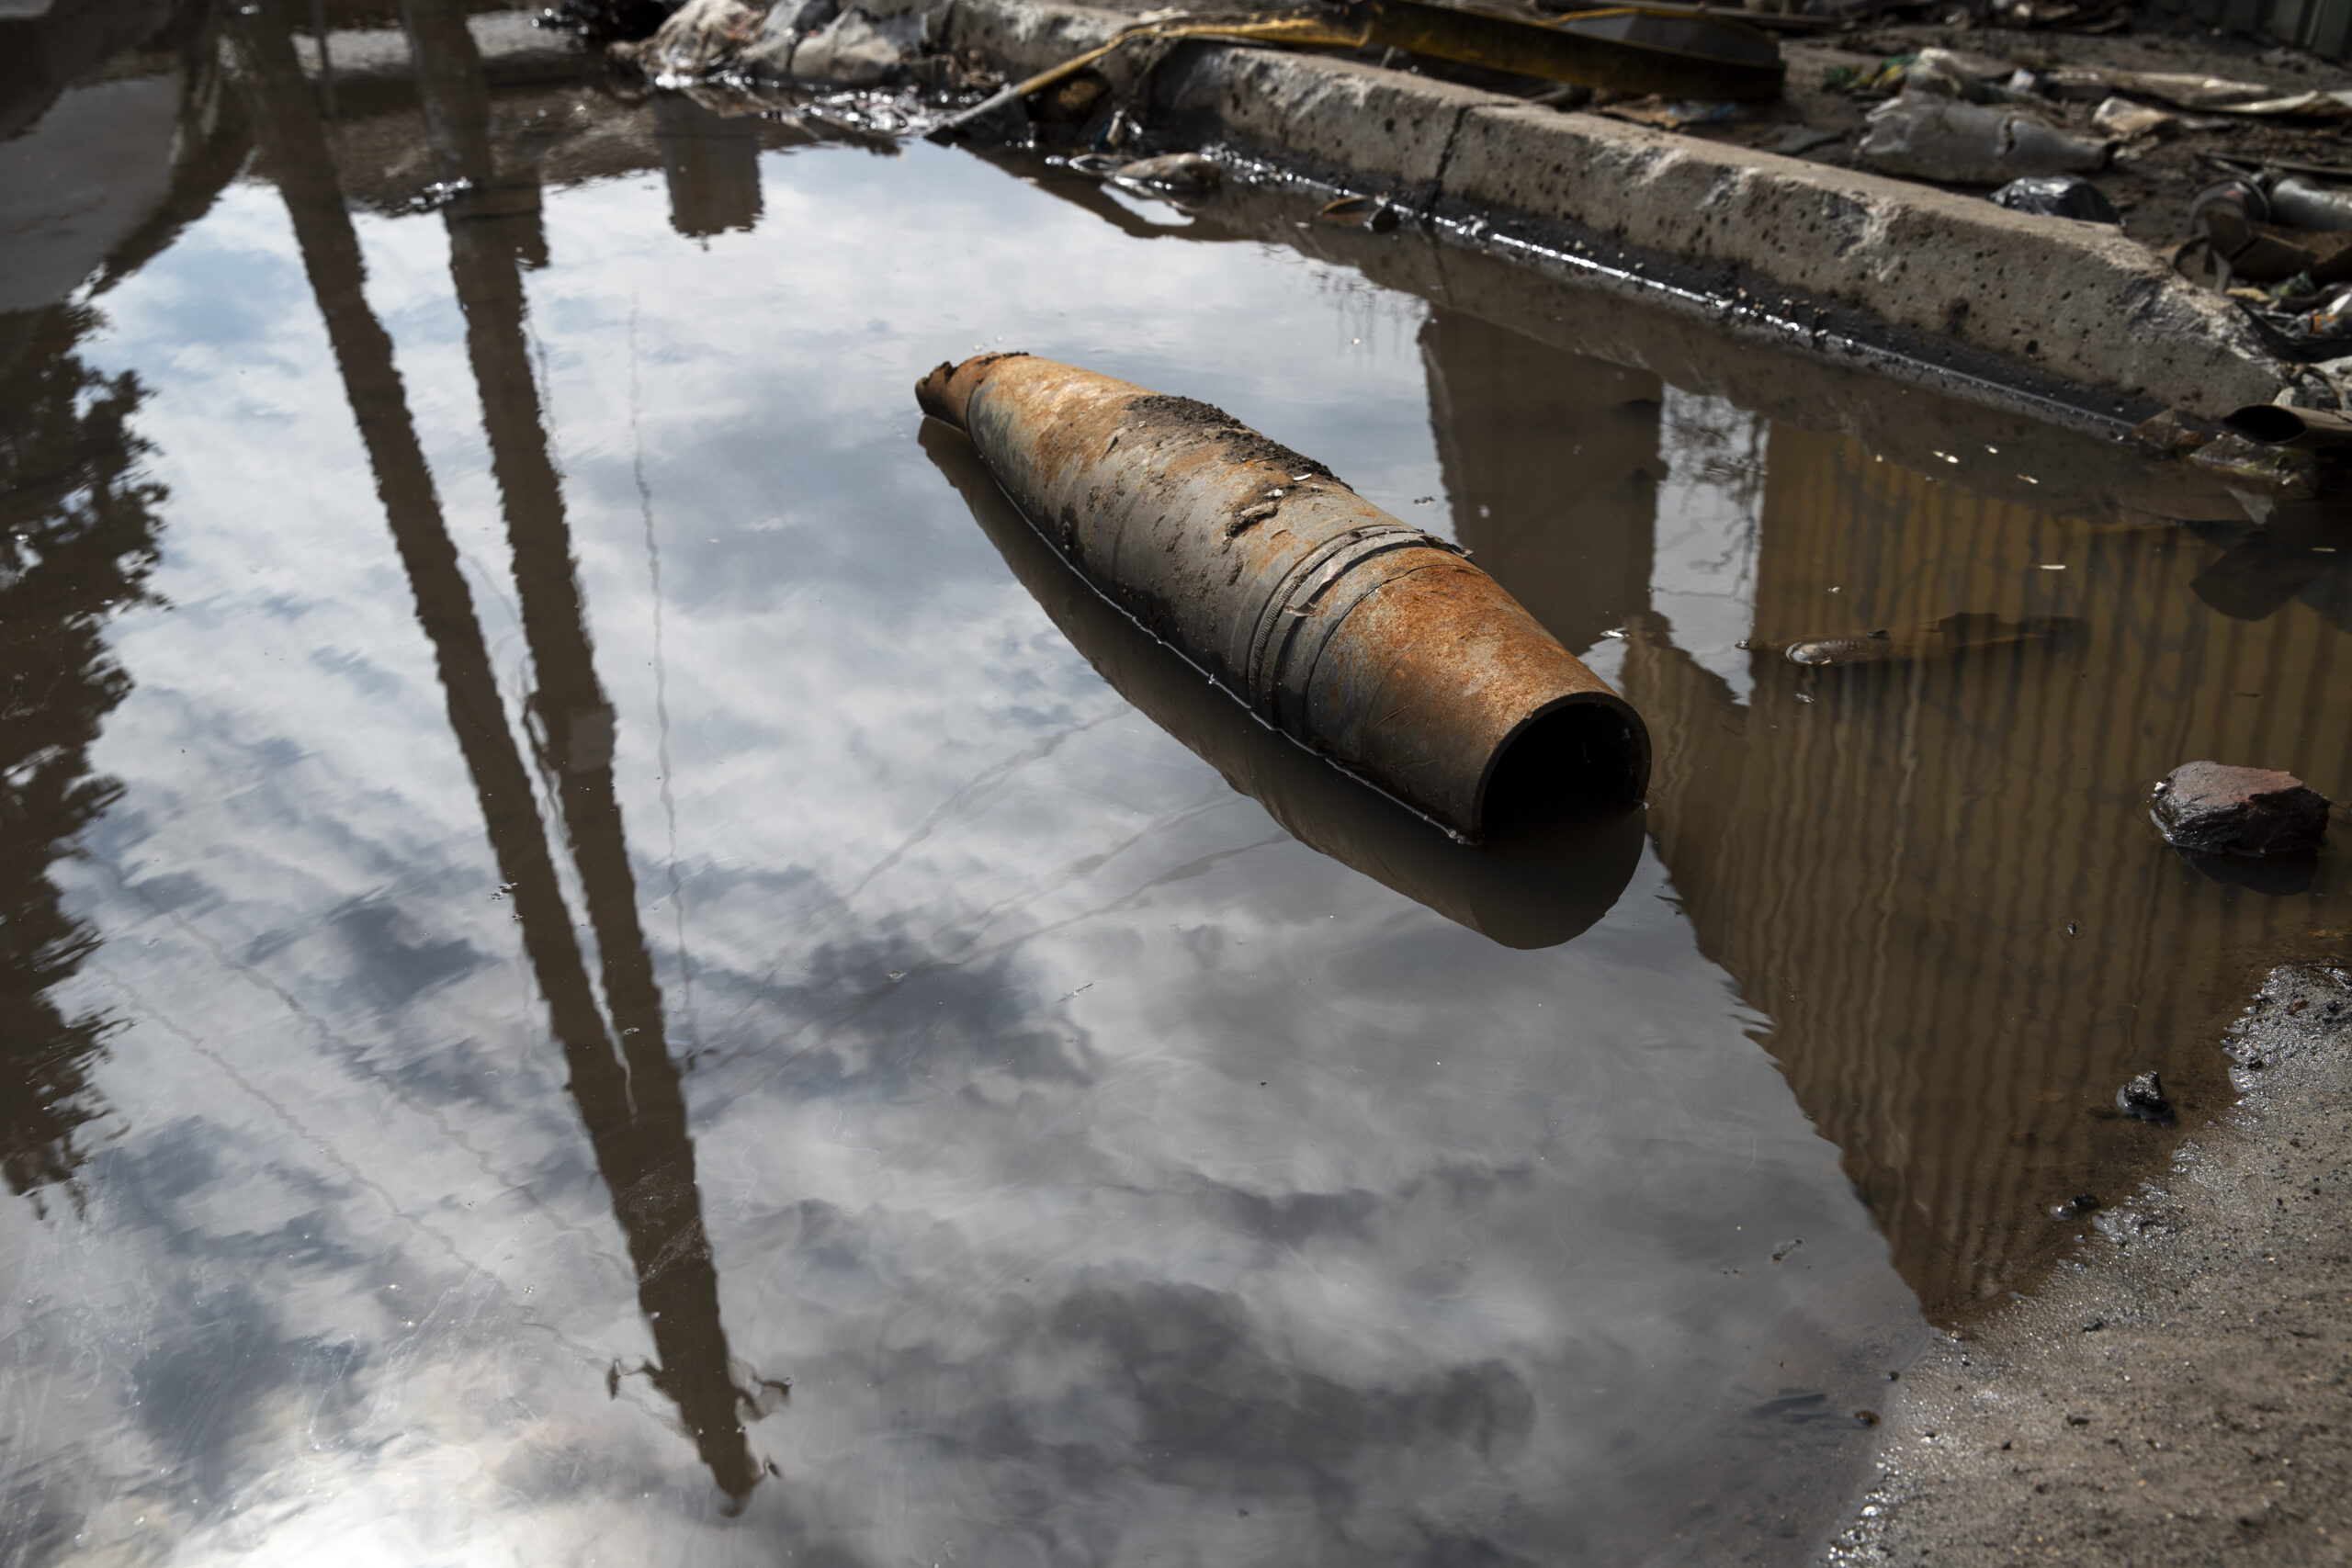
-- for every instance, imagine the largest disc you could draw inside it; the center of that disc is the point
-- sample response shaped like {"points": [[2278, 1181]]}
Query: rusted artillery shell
{"points": [[1540, 877], [1368, 640]]}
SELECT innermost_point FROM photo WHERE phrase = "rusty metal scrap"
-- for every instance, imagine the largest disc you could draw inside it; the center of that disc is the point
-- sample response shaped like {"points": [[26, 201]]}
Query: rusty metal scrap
{"points": [[1625, 48], [1629, 49], [2276, 424], [1358, 635]]}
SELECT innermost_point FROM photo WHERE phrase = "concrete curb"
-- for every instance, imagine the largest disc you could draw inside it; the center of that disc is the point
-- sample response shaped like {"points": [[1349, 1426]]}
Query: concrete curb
{"points": [[2051, 297], [2076, 297]]}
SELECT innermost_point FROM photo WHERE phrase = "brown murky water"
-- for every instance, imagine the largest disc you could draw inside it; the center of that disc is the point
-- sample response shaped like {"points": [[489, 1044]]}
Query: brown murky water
{"points": [[604, 961]]}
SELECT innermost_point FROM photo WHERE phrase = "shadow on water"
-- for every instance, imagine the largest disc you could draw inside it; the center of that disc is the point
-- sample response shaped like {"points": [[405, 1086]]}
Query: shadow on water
{"points": [[2292, 556], [1520, 428], [79, 520], [623, 1081], [1541, 878], [78, 533], [711, 162]]}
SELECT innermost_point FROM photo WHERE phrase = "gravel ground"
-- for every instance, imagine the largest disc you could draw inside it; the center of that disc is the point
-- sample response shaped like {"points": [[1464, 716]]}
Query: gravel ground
{"points": [[2183, 1394]]}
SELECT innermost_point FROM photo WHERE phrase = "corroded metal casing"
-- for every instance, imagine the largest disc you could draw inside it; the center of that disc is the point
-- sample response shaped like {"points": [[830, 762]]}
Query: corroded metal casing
{"points": [[1367, 640], [1536, 883]]}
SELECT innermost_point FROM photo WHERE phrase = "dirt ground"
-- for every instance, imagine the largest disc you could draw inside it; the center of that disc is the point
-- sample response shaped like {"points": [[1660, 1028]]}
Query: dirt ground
{"points": [[2182, 1395]]}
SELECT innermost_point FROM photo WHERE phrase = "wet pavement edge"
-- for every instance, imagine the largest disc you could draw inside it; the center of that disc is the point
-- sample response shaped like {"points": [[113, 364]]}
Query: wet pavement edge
{"points": [[2177, 1394]]}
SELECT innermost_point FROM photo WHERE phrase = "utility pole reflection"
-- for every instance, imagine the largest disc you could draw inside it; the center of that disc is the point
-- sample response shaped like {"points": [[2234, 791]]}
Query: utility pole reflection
{"points": [[629, 1098]]}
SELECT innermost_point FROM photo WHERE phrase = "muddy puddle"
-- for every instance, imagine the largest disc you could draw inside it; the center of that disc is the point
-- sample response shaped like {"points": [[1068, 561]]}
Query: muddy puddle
{"points": [[605, 962]]}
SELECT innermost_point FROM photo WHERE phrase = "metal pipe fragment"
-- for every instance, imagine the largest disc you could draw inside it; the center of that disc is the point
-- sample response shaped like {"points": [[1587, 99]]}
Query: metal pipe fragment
{"points": [[1363, 638], [2275, 424]]}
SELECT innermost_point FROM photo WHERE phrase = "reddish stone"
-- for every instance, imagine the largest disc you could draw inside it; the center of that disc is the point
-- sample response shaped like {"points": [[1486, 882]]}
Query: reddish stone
{"points": [[2213, 808]]}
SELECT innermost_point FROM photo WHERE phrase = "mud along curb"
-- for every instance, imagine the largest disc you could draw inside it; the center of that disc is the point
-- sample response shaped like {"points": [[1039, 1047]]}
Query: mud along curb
{"points": [[2050, 298]]}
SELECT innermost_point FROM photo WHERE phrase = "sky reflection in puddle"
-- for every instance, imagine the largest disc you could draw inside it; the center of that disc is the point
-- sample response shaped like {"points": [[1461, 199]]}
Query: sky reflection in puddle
{"points": [[541, 1025]]}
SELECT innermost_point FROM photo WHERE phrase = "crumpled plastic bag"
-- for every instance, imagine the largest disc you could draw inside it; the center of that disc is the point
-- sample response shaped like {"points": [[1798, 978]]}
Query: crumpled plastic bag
{"points": [[853, 48], [2124, 119], [2058, 195], [807, 40], [1930, 138], [700, 37]]}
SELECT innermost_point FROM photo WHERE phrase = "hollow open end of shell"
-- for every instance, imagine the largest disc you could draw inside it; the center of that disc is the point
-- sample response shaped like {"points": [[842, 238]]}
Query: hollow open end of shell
{"points": [[1589, 751]]}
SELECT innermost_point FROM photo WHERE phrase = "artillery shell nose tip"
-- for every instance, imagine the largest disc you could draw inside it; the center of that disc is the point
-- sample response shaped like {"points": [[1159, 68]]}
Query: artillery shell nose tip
{"points": [[930, 395], [944, 393]]}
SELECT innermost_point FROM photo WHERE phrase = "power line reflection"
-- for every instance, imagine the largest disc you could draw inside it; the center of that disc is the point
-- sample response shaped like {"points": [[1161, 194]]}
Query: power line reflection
{"points": [[622, 1081]]}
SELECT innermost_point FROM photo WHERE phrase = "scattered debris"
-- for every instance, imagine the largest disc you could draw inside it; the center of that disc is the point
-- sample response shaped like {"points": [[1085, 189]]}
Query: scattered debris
{"points": [[2126, 122], [1625, 52], [2298, 202], [2280, 424], [796, 40], [854, 49], [600, 22], [2143, 1097], [1184, 180], [2214, 808], [1794, 138], [2172, 434], [1184, 175], [2276, 236], [1933, 138], [1670, 113], [2059, 196], [701, 36]]}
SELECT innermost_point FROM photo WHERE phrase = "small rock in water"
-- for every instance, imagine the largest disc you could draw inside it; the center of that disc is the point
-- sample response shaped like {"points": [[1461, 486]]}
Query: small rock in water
{"points": [[2214, 808], [2144, 1097], [1365, 212], [1178, 173], [2087, 1202]]}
